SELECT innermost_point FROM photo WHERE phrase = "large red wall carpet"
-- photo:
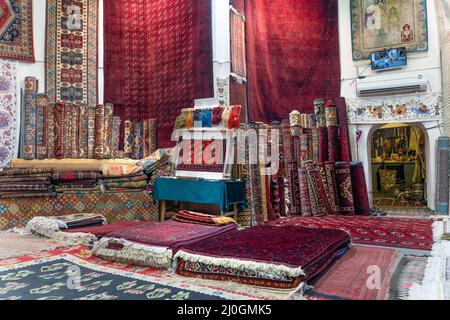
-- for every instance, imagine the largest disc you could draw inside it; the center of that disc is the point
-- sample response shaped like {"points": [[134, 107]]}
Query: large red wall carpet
{"points": [[387, 232], [292, 54], [158, 59], [349, 277]]}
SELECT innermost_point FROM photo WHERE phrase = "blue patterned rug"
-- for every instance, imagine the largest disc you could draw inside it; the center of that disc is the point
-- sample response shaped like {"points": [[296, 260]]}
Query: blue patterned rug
{"points": [[68, 278]]}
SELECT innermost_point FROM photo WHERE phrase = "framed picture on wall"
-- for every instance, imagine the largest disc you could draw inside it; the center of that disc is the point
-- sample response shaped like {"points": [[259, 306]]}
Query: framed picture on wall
{"points": [[377, 25]]}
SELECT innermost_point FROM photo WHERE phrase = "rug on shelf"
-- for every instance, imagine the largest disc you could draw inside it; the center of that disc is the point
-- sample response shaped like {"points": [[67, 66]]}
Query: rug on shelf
{"points": [[410, 271], [353, 277], [387, 232], [115, 206], [8, 112], [109, 280], [71, 51], [16, 30]]}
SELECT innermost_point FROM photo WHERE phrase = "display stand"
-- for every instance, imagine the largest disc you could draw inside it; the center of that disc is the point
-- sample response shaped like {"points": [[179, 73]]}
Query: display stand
{"points": [[223, 194]]}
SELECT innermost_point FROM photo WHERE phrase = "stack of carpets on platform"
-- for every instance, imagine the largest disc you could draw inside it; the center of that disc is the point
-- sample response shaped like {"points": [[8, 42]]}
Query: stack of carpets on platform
{"points": [[52, 227], [135, 177], [75, 182], [200, 218], [131, 183], [153, 244], [26, 183], [266, 256]]}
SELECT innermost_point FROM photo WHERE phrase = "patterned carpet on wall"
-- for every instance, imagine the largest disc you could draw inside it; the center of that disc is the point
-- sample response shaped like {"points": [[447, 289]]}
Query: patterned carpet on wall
{"points": [[387, 232], [45, 275], [71, 52], [353, 277], [16, 26]]}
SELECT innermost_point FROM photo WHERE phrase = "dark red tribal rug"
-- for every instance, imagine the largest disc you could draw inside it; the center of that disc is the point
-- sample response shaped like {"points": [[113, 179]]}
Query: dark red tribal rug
{"points": [[158, 59], [387, 232], [293, 55]]}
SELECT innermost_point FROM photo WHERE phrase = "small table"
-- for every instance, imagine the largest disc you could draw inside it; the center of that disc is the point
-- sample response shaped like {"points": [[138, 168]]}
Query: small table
{"points": [[223, 193]]}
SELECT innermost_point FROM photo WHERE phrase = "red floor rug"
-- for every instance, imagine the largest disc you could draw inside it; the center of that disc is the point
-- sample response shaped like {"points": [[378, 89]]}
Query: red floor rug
{"points": [[387, 232], [354, 276]]}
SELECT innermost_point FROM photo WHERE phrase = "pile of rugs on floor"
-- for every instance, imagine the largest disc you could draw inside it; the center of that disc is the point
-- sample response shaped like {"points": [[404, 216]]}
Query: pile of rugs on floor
{"points": [[68, 131], [310, 259], [313, 179]]}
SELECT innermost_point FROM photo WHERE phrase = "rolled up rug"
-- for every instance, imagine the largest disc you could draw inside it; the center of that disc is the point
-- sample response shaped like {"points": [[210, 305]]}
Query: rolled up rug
{"points": [[304, 193], [345, 189], [323, 144], [360, 193], [333, 143]]}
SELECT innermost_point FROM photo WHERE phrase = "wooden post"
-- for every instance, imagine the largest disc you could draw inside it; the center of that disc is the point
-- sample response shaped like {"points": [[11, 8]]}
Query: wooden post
{"points": [[162, 210]]}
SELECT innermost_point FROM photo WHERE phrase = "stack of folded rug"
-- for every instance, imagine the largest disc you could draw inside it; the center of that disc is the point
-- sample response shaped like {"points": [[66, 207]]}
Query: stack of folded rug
{"points": [[153, 244], [284, 258], [134, 177], [26, 183], [52, 227], [134, 182], [200, 218], [74, 182]]}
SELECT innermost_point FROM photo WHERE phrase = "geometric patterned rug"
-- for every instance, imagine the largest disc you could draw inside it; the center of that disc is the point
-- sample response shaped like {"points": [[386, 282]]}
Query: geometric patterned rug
{"points": [[74, 273]]}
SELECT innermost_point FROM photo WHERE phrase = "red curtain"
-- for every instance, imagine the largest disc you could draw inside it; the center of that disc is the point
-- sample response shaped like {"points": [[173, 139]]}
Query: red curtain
{"points": [[158, 58], [292, 56]]}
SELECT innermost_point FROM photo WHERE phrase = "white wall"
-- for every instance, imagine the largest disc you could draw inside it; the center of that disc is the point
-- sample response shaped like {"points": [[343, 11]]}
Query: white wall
{"points": [[427, 63], [37, 69]]}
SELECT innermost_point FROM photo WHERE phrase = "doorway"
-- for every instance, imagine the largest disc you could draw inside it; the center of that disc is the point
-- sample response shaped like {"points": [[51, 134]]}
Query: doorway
{"points": [[398, 155]]}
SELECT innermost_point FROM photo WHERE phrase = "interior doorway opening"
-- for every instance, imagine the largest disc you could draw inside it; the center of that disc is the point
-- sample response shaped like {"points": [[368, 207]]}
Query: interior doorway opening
{"points": [[398, 155]]}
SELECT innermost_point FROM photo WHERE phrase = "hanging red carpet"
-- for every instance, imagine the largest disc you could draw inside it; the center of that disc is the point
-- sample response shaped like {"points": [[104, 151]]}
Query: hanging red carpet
{"points": [[71, 56], [386, 232], [278, 32], [160, 69]]}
